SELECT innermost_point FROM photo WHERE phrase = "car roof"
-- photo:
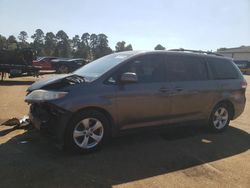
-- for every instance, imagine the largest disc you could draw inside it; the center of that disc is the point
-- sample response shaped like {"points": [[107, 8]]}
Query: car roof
{"points": [[177, 53]]}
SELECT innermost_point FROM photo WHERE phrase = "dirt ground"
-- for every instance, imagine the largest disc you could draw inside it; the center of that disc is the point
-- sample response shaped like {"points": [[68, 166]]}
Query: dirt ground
{"points": [[180, 157]]}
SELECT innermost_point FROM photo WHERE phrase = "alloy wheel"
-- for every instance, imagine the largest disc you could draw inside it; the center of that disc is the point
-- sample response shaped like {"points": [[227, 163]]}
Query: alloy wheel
{"points": [[88, 133], [220, 118], [63, 69]]}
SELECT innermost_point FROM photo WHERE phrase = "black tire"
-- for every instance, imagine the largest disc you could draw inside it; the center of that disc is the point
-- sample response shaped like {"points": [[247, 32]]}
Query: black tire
{"points": [[223, 122], [71, 144], [62, 69]]}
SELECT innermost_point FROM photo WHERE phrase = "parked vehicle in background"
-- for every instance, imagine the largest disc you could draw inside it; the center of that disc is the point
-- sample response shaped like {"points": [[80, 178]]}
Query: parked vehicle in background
{"points": [[17, 62], [44, 63], [244, 66], [64, 66], [128, 90]]}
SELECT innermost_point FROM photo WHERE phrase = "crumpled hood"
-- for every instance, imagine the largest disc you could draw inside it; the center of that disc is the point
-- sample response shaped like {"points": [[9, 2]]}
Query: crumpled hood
{"points": [[56, 82]]}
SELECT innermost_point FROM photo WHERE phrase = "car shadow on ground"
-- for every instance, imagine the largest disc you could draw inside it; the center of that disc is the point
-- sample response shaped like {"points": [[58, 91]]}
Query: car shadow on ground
{"points": [[30, 159]]}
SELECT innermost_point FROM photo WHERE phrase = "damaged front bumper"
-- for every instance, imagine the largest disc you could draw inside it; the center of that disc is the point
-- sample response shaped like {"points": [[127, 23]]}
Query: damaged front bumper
{"points": [[50, 118]]}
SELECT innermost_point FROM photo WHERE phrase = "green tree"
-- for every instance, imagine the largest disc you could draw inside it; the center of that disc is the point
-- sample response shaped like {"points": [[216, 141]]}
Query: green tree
{"points": [[100, 46], [160, 47], [23, 36], [3, 42], [38, 36], [50, 44], [121, 46], [85, 46], [63, 45], [93, 41], [129, 48], [76, 42], [85, 39], [76, 46], [11, 42], [38, 43]]}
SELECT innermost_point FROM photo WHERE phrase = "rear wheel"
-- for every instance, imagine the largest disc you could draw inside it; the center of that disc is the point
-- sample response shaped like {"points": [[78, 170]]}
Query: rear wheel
{"points": [[63, 69], [87, 132], [220, 118]]}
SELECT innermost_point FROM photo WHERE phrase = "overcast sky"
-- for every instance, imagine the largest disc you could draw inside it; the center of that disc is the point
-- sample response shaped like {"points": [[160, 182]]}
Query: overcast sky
{"points": [[193, 24]]}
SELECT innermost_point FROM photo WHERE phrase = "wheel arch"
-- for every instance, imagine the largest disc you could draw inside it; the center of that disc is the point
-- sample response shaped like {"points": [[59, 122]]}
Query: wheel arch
{"points": [[229, 104], [98, 109]]}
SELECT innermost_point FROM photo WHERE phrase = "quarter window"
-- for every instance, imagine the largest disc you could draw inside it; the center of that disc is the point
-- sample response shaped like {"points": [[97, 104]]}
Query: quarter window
{"points": [[223, 69]]}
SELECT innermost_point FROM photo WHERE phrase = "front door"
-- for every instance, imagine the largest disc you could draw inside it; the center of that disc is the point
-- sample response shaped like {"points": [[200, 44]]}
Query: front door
{"points": [[146, 102]]}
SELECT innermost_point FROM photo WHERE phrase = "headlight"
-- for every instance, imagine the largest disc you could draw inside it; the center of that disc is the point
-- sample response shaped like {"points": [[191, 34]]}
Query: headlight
{"points": [[43, 95]]}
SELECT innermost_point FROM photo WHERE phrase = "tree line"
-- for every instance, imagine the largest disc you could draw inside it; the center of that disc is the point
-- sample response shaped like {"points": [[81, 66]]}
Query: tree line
{"points": [[87, 46]]}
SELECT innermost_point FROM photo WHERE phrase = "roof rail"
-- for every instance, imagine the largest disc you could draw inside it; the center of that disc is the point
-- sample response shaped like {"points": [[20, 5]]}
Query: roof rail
{"points": [[195, 51]]}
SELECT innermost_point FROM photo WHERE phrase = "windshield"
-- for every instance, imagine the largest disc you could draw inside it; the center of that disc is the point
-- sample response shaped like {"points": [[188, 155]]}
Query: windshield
{"points": [[96, 68]]}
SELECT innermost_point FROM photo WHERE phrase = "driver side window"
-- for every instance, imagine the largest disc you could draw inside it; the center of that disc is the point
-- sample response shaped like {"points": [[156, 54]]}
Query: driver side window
{"points": [[148, 68]]}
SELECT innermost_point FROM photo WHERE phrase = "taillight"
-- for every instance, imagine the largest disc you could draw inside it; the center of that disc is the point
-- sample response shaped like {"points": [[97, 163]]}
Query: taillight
{"points": [[244, 84]]}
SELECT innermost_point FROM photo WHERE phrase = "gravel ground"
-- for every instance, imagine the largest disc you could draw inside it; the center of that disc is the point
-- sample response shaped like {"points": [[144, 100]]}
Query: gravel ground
{"points": [[179, 157]]}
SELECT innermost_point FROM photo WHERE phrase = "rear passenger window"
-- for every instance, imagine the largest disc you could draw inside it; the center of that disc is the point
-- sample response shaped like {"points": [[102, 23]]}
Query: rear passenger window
{"points": [[223, 69], [185, 68]]}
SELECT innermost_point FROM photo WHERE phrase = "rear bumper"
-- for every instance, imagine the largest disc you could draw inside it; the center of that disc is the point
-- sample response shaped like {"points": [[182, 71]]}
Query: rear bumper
{"points": [[239, 106], [238, 110], [50, 119]]}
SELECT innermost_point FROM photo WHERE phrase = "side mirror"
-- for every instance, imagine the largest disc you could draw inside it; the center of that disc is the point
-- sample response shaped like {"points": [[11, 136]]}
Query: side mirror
{"points": [[129, 77]]}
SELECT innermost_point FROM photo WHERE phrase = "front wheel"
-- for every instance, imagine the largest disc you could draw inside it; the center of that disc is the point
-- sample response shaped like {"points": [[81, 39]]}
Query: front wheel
{"points": [[220, 118], [87, 132]]}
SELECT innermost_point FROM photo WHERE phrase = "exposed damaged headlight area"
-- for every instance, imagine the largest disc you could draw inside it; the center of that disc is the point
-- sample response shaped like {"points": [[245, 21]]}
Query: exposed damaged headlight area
{"points": [[45, 115]]}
